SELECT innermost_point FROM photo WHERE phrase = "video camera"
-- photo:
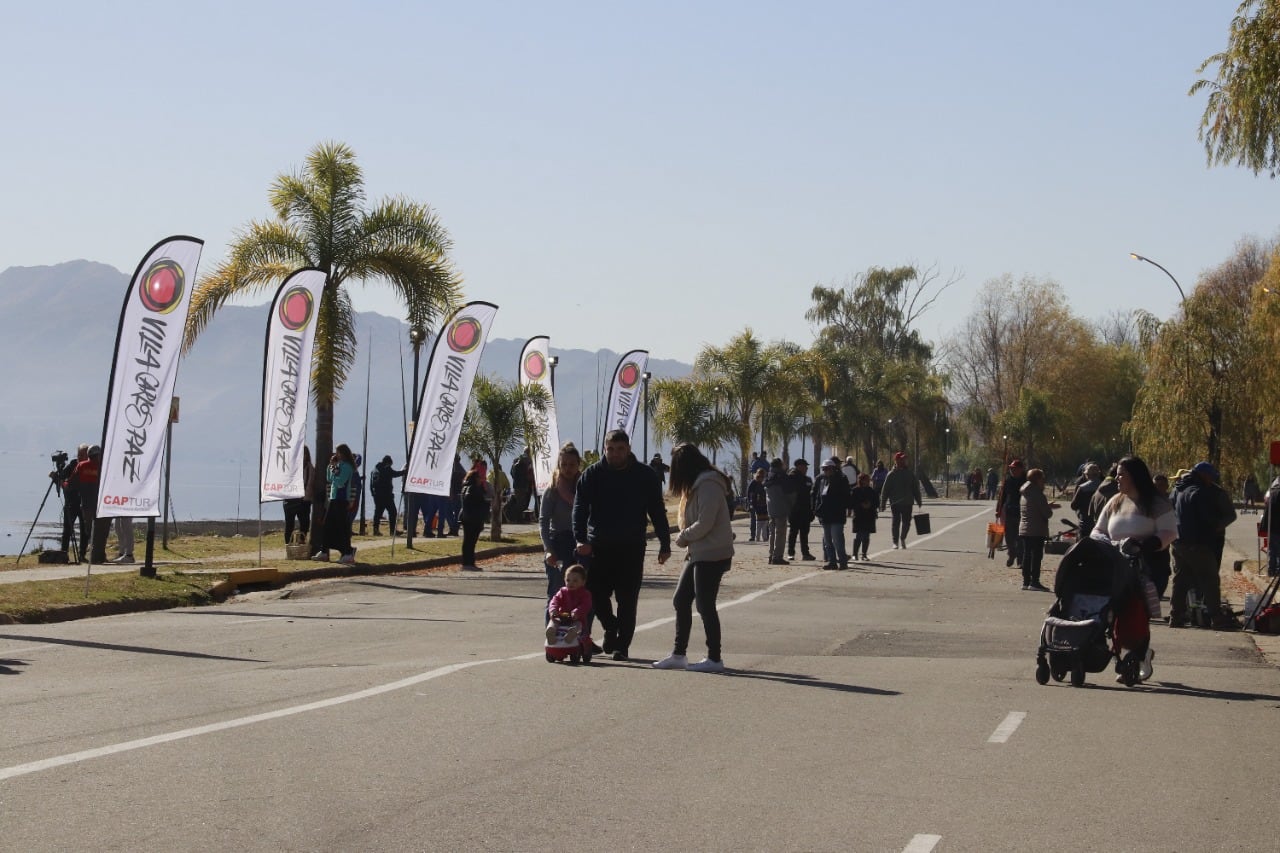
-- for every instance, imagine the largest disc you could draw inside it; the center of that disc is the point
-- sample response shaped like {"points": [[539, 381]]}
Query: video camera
{"points": [[59, 458]]}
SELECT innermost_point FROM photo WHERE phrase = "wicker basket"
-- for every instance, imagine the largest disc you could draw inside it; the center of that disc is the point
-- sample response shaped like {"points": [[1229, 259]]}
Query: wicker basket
{"points": [[297, 549]]}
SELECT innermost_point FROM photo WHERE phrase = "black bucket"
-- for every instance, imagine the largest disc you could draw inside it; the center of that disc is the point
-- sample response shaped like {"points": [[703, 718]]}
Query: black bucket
{"points": [[922, 523]]}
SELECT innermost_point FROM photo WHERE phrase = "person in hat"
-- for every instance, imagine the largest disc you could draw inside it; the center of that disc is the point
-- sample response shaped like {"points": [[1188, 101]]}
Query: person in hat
{"points": [[802, 513], [830, 503], [780, 499], [382, 490], [900, 490], [1204, 511], [1009, 511]]}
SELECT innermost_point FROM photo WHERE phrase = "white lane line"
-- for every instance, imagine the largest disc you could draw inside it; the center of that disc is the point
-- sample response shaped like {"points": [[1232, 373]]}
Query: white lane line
{"points": [[183, 734], [922, 843], [114, 749], [1005, 730]]}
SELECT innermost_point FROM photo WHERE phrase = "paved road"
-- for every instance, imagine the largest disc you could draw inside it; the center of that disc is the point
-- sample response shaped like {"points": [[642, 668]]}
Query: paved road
{"points": [[890, 708]]}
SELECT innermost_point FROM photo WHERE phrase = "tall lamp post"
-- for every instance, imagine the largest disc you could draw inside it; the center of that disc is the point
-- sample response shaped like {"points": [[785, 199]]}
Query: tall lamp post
{"points": [[644, 382], [1187, 351], [946, 465], [716, 446], [416, 336]]}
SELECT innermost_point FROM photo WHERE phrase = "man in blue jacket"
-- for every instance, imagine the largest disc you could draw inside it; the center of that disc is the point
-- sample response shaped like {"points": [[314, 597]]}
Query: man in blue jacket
{"points": [[614, 499]]}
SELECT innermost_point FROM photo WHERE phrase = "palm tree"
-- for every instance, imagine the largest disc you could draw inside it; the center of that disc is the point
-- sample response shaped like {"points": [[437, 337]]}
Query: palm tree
{"points": [[684, 410], [747, 372], [495, 426], [320, 221]]}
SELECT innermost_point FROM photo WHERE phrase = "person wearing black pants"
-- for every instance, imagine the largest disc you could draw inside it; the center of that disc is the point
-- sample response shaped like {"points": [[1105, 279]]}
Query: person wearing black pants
{"points": [[704, 530], [802, 512], [615, 499], [477, 502]]}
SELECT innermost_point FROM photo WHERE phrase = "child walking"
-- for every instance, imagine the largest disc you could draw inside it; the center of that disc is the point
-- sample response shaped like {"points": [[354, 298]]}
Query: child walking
{"points": [[864, 515], [570, 606]]}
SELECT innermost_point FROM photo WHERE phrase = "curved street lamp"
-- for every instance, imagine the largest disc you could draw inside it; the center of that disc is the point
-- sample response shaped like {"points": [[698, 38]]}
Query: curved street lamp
{"points": [[1138, 257]]}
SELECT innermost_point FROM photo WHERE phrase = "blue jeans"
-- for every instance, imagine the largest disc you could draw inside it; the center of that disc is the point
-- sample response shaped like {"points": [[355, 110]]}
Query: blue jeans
{"points": [[833, 552]]}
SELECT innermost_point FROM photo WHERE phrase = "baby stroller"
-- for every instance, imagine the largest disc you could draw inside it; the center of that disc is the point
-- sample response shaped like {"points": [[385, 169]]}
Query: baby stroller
{"points": [[1076, 635], [571, 641]]}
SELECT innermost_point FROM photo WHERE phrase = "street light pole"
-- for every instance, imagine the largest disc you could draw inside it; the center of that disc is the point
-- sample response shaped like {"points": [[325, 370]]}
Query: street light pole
{"points": [[416, 336], [1138, 257], [645, 377], [946, 465]]}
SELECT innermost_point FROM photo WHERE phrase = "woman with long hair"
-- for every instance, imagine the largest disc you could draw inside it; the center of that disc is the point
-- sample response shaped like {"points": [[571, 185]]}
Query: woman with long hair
{"points": [[703, 522], [477, 501], [340, 475], [1138, 520], [555, 517]]}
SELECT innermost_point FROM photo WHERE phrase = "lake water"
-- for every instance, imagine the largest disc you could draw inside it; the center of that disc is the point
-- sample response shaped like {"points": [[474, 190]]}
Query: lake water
{"points": [[199, 492]]}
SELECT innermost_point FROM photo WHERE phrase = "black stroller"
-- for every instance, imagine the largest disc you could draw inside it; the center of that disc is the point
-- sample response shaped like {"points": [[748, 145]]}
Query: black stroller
{"points": [[1077, 633]]}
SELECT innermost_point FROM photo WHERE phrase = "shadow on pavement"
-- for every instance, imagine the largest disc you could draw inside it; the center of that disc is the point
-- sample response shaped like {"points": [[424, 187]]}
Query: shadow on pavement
{"points": [[300, 617], [112, 647], [807, 681], [1173, 688], [7, 666]]}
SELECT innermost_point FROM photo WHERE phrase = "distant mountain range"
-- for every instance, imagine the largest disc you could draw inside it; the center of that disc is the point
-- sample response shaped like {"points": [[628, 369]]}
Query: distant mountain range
{"points": [[57, 334]]}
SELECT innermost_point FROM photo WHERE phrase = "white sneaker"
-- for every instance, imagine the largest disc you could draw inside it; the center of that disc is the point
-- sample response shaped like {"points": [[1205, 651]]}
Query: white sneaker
{"points": [[672, 662], [706, 665], [320, 556], [348, 559], [124, 559], [1146, 668]]}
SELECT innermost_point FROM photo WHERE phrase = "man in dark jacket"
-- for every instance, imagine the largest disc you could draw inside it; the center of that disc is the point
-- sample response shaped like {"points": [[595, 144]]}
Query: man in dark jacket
{"points": [[802, 513], [830, 503], [1084, 495], [1204, 511], [614, 498], [382, 490], [1009, 511]]}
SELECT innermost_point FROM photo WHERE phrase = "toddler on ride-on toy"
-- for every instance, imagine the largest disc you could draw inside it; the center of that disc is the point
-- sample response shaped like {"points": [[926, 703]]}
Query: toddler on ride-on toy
{"points": [[567, 619]]}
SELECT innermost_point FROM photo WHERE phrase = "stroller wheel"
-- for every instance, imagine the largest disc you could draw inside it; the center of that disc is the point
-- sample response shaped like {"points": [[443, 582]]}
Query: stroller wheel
{"points": [[1059, 674], [1042, 673], [573, 658], [551, 658], [1077, 673]]}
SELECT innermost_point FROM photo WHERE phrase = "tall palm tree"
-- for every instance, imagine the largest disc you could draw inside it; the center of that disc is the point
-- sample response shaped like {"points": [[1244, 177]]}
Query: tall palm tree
{"points": [[495, 426], [684, 410], [747, 372], [320, 221]]}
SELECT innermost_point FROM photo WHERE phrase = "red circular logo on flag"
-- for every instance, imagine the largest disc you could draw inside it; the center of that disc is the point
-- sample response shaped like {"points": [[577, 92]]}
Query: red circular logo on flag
{"points": [[535, 366], [629, 375], [162, 286], [464, 335], [296, 307]]}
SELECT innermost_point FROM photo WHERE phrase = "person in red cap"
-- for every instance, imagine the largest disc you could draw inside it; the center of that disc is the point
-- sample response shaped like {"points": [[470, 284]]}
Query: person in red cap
{"points": [[1009, 511], [899, 491]]}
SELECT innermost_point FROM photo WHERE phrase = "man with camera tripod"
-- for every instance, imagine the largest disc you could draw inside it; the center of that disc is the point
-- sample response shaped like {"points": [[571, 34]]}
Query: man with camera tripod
{"points": [[64, 475]]}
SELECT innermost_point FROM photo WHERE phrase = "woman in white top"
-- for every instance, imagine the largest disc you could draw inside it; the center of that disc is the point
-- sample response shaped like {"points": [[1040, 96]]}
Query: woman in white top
{"points": [[1138, 520]]}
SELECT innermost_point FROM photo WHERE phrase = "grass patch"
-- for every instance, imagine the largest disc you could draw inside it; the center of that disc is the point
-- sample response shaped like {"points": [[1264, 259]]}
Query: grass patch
{"points": [[53, 600], [207, 560]]}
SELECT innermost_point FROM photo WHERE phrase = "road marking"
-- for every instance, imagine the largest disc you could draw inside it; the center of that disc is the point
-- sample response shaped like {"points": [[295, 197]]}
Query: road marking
{"points": [[239, 722], [1006, 729], [922, 844]]}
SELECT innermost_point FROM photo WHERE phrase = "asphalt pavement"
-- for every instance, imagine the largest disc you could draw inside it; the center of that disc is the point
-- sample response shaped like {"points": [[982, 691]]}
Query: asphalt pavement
{"points": [[889, 707]]}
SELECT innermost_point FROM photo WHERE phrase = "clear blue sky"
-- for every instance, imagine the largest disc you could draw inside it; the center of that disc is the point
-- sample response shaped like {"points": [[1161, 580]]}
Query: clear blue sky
{"points": [[654, 174]]}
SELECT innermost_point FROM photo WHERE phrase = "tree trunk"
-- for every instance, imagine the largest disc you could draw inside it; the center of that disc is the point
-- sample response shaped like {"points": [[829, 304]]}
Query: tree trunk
{"points": [[495, 510], [324, 450], [1215, 435]]}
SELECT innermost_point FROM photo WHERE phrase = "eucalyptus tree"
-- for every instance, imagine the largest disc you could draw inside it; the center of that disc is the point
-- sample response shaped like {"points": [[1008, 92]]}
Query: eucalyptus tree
{"points": [[320, 220], [496, 425]]}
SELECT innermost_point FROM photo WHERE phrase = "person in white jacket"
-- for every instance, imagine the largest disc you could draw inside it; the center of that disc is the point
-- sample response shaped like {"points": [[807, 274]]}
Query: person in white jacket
{"points": [[703, 523]]}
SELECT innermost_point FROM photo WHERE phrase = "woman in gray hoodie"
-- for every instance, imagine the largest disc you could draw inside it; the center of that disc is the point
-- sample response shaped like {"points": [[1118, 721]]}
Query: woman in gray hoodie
{"points": [[1033, 529], [703, 524]]}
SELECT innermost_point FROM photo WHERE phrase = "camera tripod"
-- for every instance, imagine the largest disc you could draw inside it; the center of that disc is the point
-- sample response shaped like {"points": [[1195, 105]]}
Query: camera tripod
{"points": [[74, 541]]}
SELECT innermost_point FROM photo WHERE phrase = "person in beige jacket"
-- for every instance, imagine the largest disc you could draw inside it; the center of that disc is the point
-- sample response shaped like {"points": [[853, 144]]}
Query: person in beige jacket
{"points": [[703, 524]]}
